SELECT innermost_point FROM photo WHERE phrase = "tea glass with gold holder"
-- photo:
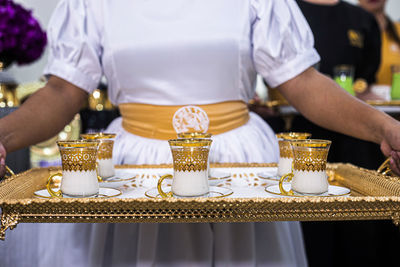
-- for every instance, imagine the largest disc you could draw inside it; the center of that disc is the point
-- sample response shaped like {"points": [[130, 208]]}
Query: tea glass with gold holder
{"points": [[104, 154], [308, 175], [285, 154], [190, 178], [79, 174], [214, 176]]}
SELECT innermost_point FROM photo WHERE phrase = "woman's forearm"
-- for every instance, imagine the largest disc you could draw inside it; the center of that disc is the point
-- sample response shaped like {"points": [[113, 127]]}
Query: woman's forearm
{"points": [[322, 101], [42, 116]]}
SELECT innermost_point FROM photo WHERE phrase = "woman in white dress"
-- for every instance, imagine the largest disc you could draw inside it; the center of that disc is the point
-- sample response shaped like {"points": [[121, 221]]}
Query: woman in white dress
{"points": [[159, 56]]}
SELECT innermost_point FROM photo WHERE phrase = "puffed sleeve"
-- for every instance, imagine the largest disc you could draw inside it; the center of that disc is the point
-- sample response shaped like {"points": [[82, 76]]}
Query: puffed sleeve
{"points": [[283, 44], [74, 42]]}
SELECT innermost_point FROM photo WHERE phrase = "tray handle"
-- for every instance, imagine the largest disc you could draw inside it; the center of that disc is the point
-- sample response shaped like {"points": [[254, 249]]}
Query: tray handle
{"points": [[9, 173], [385, 167]]}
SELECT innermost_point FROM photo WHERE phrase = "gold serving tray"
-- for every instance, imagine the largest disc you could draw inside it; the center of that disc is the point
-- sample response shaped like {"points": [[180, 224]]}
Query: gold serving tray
{"points": [[373, 197]]}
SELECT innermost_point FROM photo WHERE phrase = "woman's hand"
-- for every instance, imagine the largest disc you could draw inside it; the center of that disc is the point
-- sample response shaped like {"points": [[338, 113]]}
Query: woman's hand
{"points": [[2, 160], [390, 146]]}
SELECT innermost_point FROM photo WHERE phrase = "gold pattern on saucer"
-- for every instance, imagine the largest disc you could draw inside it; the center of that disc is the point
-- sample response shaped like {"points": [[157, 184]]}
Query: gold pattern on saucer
{"points": [[284, 139], [292, 193], [78, 155], [101, 194], [105, 149], [215, 192], [310, 155]]}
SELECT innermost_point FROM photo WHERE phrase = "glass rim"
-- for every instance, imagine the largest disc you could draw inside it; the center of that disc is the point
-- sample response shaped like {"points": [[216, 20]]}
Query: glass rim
{"points": [[293, 135], [317, 143], [78, 143], [343, 67], [95, 136], [190, 142], [194, 135]]}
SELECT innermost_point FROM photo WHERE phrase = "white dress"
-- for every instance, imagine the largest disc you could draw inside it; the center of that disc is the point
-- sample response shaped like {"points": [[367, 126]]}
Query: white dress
{"points": [[174, 52]]}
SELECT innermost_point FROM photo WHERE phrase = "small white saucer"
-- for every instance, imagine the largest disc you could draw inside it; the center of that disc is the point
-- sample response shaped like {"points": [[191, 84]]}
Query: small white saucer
{"points": [[215, 177], [215, 192], [117, 180], [218, 175], [333, 191], [268, 176], [104, 192]]}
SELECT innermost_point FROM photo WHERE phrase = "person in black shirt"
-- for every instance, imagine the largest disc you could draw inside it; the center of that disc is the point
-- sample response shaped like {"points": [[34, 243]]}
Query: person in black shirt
{"points": [[344, 34]]}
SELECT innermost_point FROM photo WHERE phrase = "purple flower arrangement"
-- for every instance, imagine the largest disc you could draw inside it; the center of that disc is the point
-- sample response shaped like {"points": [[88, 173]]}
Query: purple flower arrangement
{"points": [[21, 38]]}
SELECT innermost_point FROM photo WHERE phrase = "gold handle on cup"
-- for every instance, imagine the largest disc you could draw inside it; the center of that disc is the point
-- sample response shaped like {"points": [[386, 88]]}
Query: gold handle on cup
{"points": [[385, 167], [289, 178], [159, 188], [50, 190], [99, 179]]}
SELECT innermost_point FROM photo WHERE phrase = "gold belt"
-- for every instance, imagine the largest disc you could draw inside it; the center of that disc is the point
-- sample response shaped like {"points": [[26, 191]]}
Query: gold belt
{"points": [[154, 121]]}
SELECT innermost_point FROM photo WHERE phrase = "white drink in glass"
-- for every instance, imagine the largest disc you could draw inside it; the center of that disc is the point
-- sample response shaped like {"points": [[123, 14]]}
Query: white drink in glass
{"points": [[106, 168], [190, 183], [79, 183], [284, 166], [310, 182]]}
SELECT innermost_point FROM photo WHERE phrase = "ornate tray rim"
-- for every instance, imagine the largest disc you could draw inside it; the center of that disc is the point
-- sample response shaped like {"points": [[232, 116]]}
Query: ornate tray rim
{"points": [[379, 199]]}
